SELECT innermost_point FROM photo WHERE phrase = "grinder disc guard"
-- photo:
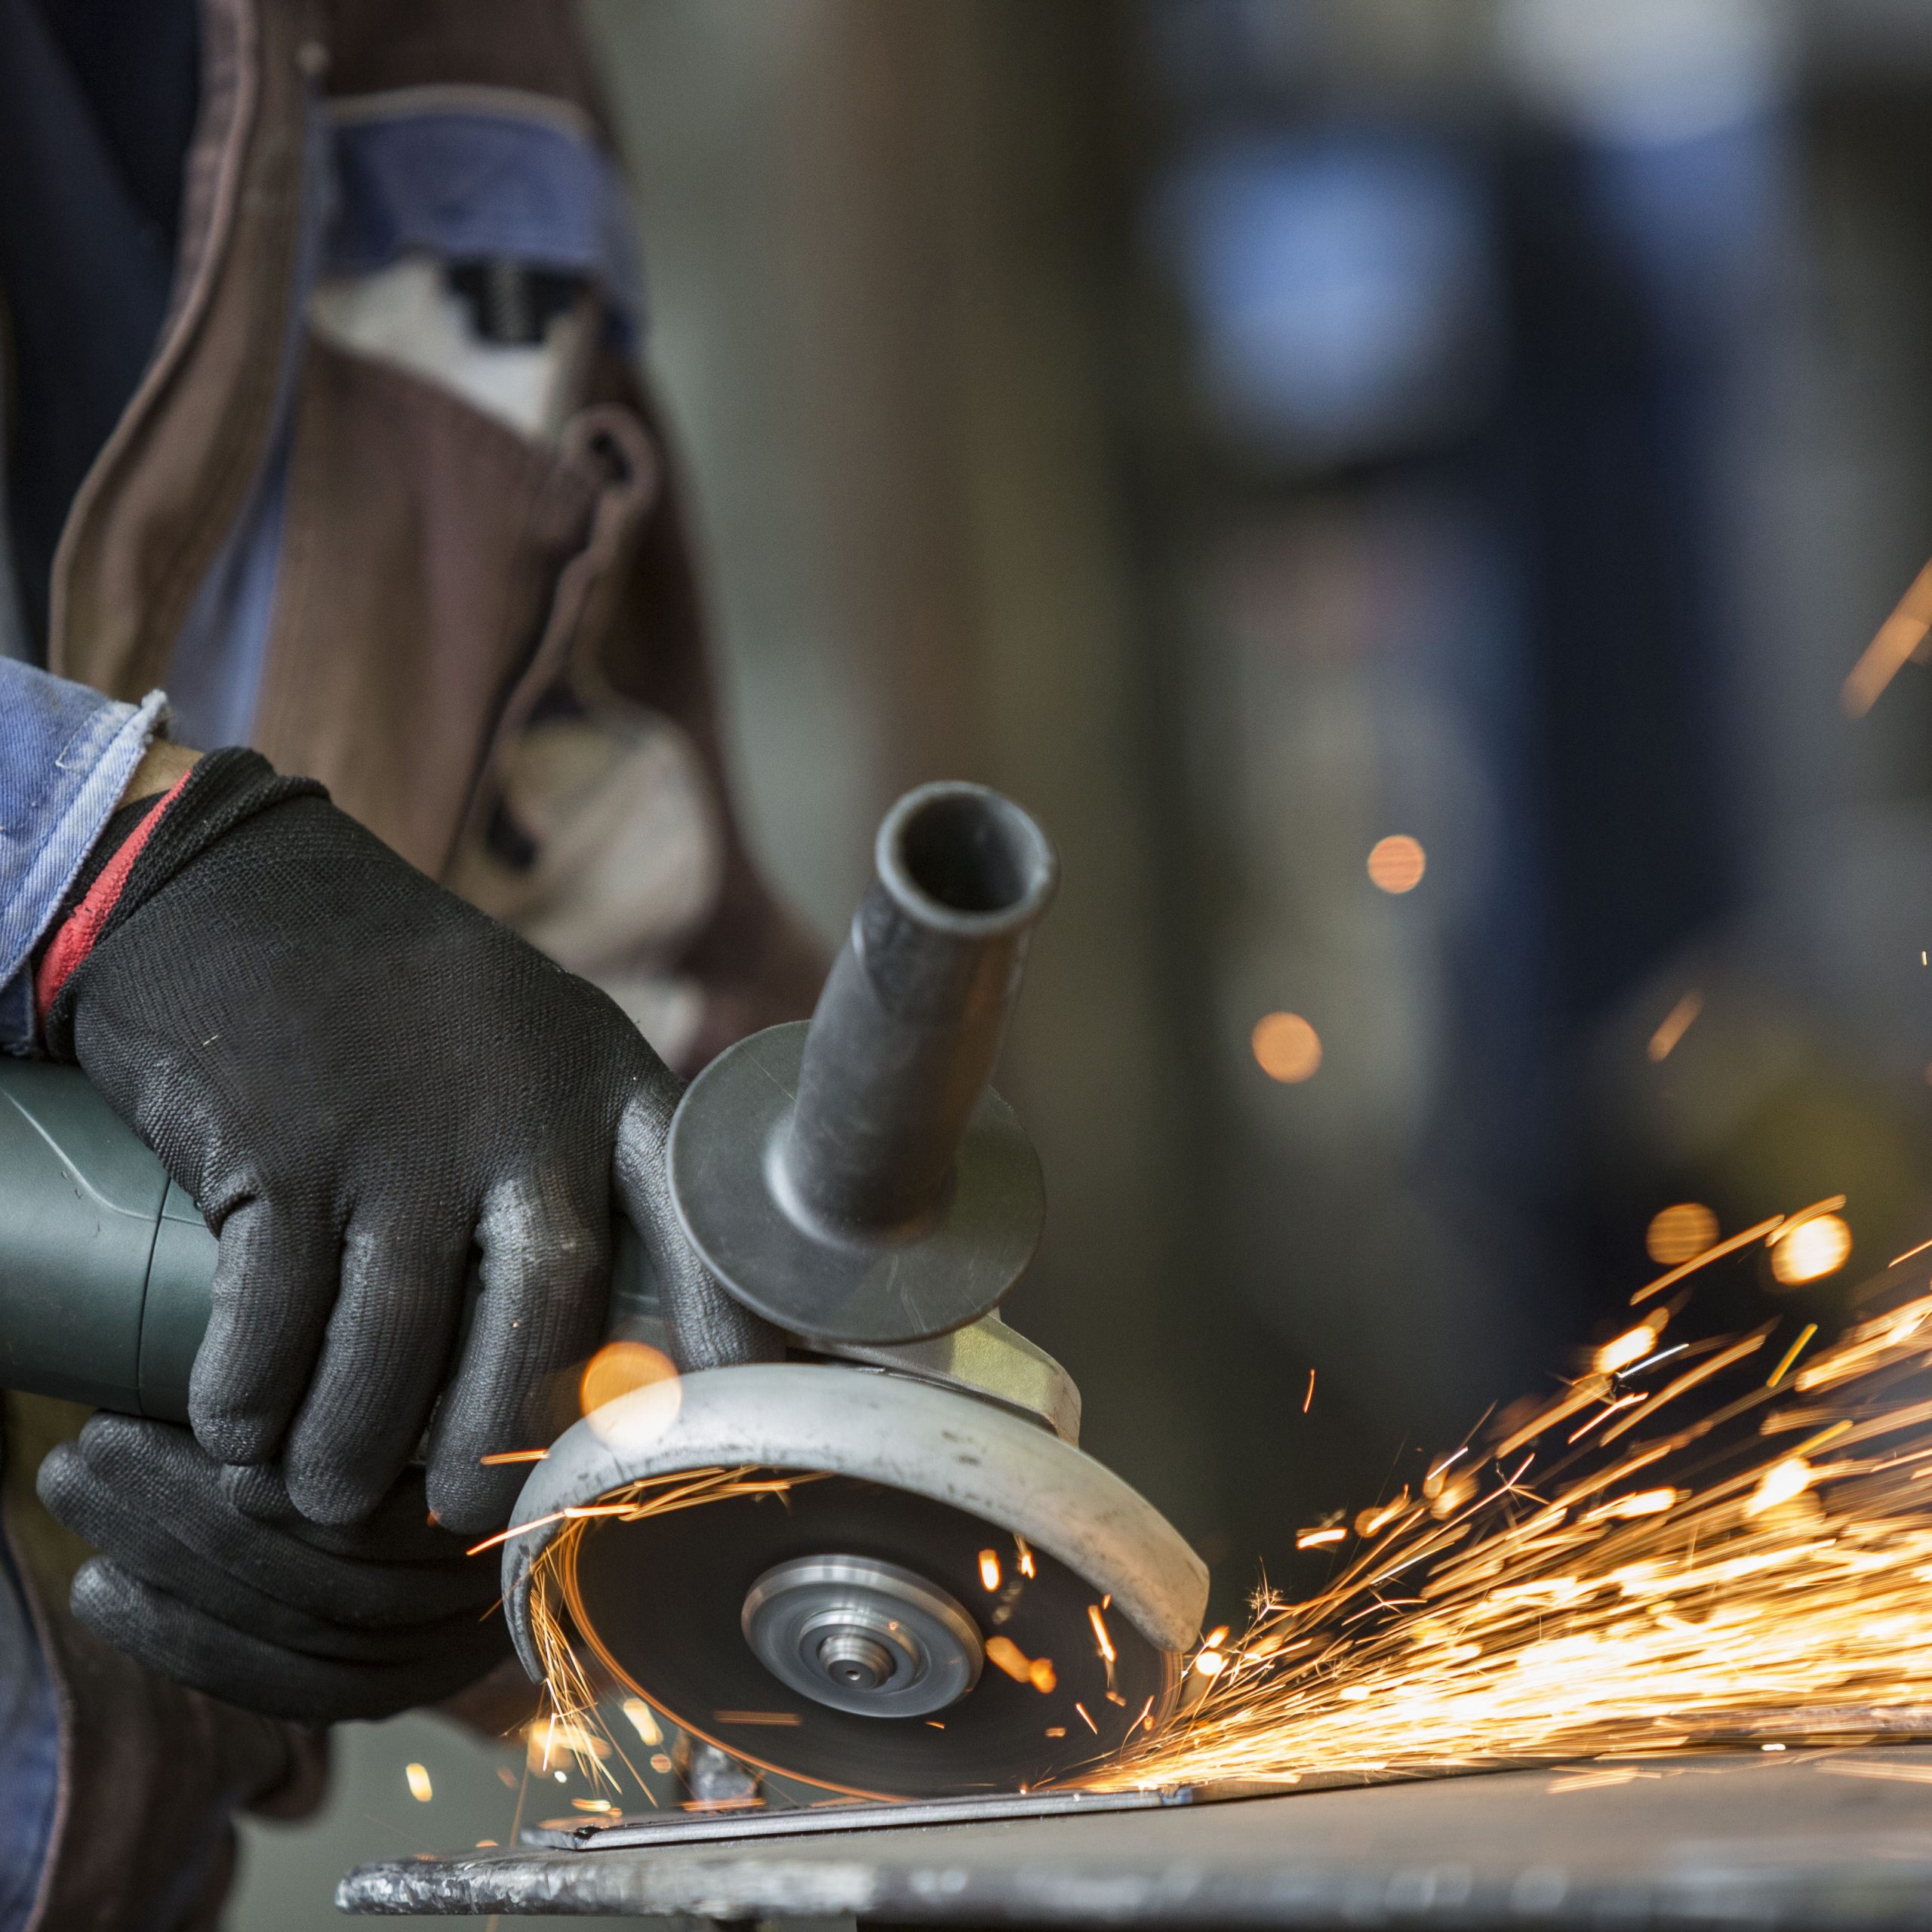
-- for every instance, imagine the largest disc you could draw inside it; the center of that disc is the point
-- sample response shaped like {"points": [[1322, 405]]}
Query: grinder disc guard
{"points": [[666, 1597], [850, 1631]]}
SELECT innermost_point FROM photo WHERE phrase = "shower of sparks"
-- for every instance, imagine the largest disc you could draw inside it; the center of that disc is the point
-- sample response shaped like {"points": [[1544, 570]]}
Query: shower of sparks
{"points": [[1676, 1024], [1753, 1566], [574, 1726]]}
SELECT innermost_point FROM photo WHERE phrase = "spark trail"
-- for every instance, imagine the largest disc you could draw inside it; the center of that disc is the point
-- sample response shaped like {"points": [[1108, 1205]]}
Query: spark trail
{"points": [[1715, 1543]]}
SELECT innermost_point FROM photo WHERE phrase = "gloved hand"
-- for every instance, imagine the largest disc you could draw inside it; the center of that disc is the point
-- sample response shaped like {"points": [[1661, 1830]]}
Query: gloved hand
{"points": [[211, 1577], [362, 1081]]}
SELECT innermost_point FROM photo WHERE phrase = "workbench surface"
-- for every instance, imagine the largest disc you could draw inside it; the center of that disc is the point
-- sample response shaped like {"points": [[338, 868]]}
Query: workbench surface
{"points": [[1800, 1838]]}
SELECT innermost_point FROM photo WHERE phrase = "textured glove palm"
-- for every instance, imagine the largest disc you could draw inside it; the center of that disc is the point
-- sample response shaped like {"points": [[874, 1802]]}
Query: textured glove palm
{"points": [[369, 1088], [216, 1581]]}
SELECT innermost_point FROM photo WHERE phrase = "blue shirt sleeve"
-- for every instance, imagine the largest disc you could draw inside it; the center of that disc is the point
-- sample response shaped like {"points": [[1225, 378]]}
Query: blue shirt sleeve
{"points": [[66, 754], [29, 1755]]}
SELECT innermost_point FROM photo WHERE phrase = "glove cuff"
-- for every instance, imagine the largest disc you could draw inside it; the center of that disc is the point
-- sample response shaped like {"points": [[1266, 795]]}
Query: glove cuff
{"points": [[95, 890], [221, 791]]}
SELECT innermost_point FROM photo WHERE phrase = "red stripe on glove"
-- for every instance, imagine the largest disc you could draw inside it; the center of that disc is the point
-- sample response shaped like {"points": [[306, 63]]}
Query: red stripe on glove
{"points": [[69, 946]]}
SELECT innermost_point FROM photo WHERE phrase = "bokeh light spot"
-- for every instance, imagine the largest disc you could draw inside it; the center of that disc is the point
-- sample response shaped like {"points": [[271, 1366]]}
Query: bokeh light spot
{"points": [[1811, 1250], [1631, 1346], [619, 1367], [1287, 1048], [1397, 863], [1676, 1233]]}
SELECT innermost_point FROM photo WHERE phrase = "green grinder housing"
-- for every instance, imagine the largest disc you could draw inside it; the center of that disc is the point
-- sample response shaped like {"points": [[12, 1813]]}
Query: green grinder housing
{"points": [[105, 1264]]}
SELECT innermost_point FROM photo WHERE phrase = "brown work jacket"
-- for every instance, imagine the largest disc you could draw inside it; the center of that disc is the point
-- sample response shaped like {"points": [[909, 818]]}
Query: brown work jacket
{"points": [[472, 616]]}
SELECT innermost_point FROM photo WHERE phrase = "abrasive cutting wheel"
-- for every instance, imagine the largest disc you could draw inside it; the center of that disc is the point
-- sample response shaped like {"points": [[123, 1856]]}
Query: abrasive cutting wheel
{"points": [[946, 1598]]}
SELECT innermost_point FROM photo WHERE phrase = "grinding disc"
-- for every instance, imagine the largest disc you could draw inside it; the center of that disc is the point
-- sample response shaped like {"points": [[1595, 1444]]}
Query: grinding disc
{"points": [[665, 1597], [873, 1628]]}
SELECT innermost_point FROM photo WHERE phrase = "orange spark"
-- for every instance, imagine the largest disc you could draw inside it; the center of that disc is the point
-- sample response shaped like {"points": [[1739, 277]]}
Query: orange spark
{"points": [[514, 1530], [1900, 638], [989, 1570], [1006, 1655], [1710, 1254], [1633, 1345], [1792, 1354], [1676, 1024], [1100, 1637]]}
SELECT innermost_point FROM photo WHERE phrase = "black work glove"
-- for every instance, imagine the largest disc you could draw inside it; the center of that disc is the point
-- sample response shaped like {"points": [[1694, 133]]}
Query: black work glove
{"points": [[361, 1079], [210, 1575]]}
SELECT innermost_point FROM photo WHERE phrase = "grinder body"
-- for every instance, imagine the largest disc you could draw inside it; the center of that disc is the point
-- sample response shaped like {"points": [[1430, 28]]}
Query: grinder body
{"points": [[105, 1263], [857, 1183], [106, 1267]]}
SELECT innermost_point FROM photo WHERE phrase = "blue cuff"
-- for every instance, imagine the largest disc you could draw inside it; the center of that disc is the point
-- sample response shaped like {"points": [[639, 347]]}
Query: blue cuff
{"points": [[66, 754], [30, 1755]]}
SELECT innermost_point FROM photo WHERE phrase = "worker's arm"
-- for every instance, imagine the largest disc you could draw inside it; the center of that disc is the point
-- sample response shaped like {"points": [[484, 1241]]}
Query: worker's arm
{"points": [[29, 1752], [67, 755]]}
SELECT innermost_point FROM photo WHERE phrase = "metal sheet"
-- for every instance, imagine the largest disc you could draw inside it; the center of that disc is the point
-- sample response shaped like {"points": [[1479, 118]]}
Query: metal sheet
{"points": [[1795, 1839], [689, 1828]]}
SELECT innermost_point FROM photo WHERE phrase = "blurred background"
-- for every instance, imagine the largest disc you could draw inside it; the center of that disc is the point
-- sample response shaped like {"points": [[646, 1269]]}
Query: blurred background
{"points": [[1398, 487]]}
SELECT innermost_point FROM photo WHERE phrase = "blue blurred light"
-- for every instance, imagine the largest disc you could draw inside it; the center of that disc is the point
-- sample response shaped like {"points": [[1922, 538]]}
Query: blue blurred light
{"points": [[1341, 288]]}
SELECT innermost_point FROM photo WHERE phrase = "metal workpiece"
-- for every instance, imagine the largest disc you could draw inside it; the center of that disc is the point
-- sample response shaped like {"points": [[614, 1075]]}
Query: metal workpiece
{"points": [[855, 1179], [1794, 1842]]}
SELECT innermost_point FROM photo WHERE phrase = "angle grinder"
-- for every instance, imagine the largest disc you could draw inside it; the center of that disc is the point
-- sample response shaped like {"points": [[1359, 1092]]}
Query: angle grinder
{"points": [[896, 1574]]}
